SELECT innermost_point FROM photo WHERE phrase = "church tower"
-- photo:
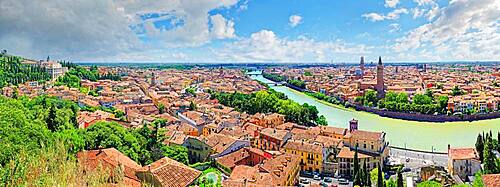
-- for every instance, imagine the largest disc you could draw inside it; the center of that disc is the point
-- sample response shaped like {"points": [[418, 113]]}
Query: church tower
{"points": [[380, 79], [362, 65]]}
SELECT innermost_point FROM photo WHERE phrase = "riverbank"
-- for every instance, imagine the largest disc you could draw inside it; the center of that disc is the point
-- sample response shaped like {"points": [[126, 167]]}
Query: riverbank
{"points": [[399, 133], [440, 118]]}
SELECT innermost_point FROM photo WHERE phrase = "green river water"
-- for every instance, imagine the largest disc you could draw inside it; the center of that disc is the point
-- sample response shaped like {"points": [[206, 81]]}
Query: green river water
{"points": [[401, 133]]}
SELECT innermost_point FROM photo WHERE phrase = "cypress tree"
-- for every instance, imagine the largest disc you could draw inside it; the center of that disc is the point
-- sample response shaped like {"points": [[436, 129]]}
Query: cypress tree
{"points": [[365, 175], [489, 158], [357, 177], [480, 146], [400, 179], [368, 180], [380, 179], [51, 119]]}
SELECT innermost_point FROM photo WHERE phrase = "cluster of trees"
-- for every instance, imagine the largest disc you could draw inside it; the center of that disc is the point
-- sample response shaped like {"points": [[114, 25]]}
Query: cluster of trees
{"points": [[12, 71], [324, 97], [73, 77], [422, 103], [457, 91], [273, 77], [29, 125], [297, 83], [363, 177], [270, 101], [485, 145]]}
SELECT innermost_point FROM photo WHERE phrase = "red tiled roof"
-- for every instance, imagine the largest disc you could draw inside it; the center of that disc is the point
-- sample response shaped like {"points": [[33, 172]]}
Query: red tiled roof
{"points": [[110, 159], [462, 153], [171, 173], [491, 180]]}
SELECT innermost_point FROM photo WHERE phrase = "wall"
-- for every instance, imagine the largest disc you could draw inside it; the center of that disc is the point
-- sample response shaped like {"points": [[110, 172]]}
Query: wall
{"points": [[426, 117]]}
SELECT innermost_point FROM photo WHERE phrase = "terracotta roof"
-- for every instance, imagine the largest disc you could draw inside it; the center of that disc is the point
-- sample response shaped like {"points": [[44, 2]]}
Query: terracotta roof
{"points": [[327, 141], [365, 135], [274, 172], [462, 153], [491, 180], [346, 152], [171, 173], [274, 133], [231, 159], [219, 142], [303, 146], [110, 159]]}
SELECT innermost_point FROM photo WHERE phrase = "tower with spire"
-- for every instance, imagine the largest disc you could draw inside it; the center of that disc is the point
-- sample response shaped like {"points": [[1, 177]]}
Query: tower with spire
{"points": [[380, 79], [362, 65]]}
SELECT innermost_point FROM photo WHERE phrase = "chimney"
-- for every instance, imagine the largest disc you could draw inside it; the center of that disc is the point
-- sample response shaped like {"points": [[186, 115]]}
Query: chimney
{"points": [[449, 147]]}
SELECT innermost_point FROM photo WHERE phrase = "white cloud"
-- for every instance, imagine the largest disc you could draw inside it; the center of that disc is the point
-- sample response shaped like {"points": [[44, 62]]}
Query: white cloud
{"points": [[394, 15], [428, 8], [394, 27], [391, 3], [222, 28], [466, 30], [295, 20], [83, 29], [264, 45]]}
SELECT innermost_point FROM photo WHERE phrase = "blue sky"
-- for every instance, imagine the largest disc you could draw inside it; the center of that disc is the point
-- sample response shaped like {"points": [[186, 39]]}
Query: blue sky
{"points": [[253, 30]]}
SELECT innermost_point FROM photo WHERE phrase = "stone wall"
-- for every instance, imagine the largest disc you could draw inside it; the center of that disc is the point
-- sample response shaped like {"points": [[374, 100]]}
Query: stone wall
{"points": [[426, 117]]}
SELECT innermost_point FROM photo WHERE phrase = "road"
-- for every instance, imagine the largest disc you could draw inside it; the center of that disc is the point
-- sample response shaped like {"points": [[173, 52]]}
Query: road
{"points": [[415, 159]]}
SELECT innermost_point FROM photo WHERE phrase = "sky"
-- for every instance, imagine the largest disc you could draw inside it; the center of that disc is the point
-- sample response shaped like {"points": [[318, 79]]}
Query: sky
{"points": [[252, 30]]}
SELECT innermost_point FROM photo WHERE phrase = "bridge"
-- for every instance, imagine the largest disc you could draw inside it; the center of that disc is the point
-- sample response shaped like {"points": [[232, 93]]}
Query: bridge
{"points": [[276, 83], [254, 73]]}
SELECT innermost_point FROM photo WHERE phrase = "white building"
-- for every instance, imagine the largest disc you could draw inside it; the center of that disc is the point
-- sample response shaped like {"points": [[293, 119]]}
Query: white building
{"points": [[463, 162]]}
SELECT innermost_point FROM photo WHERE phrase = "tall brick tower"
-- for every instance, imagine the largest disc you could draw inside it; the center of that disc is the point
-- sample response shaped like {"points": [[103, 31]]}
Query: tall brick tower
{"points": [[362, 65], [380, 79]]}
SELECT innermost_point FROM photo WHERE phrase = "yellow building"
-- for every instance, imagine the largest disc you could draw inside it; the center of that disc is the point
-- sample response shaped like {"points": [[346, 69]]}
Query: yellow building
{"points": [[311, 155], [209, 129]]}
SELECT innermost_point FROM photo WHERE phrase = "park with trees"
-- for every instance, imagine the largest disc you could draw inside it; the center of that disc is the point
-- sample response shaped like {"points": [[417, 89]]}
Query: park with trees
{"points": [[270, 101]]}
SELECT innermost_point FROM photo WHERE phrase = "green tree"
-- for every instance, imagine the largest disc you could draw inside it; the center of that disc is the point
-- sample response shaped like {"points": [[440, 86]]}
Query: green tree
{"points": [[480, 146], [380, 177], [402, 97], [456, 91], [321, 121], [400, 182], [489, 160], [429, 184], [429, 93], [365, 175], [478, 181], [192, 106], [370, 97], [357, 175], [161, 108], [51, 119], [421, 99]]}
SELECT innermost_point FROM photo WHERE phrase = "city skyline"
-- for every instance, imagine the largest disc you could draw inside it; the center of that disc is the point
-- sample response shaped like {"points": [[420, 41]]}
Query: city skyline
{"points": [[242, 31]]}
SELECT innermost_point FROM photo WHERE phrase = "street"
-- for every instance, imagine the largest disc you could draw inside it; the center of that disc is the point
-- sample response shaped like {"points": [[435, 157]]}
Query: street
{"points": [[415, 159]]}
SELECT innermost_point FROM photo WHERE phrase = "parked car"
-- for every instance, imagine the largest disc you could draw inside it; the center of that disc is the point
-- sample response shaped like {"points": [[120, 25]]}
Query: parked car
{"points": [[316, 177], [305, 181], [343, 181], [328, 179], [323, 184]]}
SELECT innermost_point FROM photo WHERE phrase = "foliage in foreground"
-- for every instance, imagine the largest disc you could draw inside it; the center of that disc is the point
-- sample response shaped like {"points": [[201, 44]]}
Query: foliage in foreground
{"points": [[51, 166], [31, 128]]}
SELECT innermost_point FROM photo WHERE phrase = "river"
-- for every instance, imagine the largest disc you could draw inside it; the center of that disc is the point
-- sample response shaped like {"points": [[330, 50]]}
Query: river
{"points": [[429, 136]]}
